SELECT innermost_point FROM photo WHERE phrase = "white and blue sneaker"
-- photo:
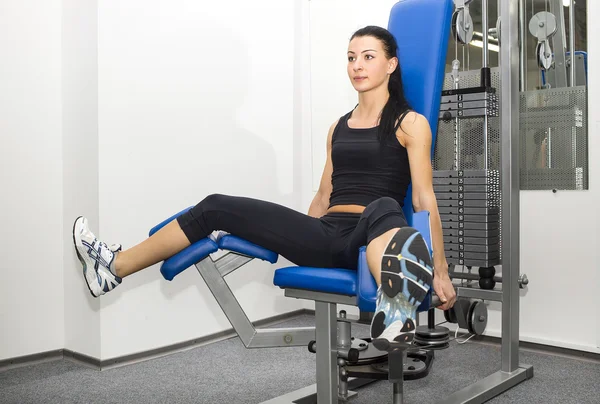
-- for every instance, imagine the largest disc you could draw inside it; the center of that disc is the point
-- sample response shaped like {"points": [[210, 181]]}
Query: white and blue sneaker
{"points": [[97, 258], [406, 277]]}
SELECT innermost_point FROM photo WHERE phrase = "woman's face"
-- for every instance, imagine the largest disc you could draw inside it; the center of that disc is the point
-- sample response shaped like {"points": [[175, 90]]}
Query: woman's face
{"points": [[368, 65]]}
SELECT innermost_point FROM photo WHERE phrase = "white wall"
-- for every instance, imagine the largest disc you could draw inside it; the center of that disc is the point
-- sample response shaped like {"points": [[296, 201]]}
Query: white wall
{"points": [[193, 100], [563, 288], [31, 290], [80, 165]]}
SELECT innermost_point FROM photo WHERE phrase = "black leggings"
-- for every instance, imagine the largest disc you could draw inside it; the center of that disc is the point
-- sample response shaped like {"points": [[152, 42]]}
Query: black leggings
{"points": [[332, 241]]}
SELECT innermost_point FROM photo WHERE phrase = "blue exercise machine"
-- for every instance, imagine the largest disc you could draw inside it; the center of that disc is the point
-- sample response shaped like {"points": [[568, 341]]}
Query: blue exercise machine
{"points": [[422, 29]]}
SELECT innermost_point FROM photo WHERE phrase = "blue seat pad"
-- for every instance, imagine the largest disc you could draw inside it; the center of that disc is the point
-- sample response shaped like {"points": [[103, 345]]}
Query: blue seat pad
{"points": [[327, 280]]}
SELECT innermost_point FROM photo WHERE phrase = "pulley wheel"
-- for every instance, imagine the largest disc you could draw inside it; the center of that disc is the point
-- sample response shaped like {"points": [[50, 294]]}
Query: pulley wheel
{"points": [[459, 23], [542, 25], [478, 318]]}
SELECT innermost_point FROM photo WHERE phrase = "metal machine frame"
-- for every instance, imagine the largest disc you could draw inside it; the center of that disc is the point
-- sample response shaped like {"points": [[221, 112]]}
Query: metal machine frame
{"points": [[511, 372]]}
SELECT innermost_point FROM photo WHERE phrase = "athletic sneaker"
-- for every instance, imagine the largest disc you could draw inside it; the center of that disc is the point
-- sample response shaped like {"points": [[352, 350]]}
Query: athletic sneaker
{"points": [[97, 258], [406, 264]]}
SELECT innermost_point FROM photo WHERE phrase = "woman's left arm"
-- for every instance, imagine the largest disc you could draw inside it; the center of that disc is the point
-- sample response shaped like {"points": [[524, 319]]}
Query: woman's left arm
{"points": [[416, 135]]}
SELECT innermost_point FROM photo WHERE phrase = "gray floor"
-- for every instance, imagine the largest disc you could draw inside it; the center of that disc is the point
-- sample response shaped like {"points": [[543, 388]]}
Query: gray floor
{"points": [[226, 372]]}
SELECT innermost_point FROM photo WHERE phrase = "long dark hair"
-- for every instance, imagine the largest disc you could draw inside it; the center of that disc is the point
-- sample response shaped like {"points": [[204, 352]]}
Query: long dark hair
{"points": [[397, 106]]}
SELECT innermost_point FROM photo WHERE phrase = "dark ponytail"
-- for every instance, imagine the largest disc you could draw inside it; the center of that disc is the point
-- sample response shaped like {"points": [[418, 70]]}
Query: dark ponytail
{"points": [[397, 106]]}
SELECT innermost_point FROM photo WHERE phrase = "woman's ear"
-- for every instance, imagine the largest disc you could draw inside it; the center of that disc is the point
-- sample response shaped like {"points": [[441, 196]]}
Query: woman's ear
{"points": [[393, 63]]}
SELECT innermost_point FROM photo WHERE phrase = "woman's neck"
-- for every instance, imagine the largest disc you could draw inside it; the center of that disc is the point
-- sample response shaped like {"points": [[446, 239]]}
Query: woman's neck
{"points": [[370, 105]]}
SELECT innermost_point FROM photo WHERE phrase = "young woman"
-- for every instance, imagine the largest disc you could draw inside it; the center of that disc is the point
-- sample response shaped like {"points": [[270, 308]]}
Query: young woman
{"points": [[373, 153]]}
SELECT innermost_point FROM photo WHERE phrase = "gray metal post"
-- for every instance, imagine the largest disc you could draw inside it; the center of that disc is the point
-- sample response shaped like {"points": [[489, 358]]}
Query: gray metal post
{"points": [[485, 63], [572, 43], [484, 32], [398, 393], [326, 326], [522, 42], [509, 128]]}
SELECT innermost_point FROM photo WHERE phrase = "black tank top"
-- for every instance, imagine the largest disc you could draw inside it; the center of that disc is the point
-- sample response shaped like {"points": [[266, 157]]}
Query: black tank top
{"points": [[364, 169]]}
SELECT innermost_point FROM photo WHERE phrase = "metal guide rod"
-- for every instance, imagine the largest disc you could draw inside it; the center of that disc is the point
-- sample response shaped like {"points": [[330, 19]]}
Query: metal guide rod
{"points": [[509, 129], [522, 43], [485, 64], [484, 32], [572, 43]]}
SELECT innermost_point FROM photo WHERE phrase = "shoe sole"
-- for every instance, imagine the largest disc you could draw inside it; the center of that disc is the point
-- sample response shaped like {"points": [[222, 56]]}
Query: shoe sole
{"points": [[79, 256], [397, 331], [406, 265]]}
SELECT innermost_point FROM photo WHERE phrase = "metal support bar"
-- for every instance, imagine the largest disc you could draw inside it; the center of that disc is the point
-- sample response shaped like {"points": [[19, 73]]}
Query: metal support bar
{"points": [[484, 32], [230, 262], [485, 64], [522, 43], [572, 82], [250, 336], [471, 277], [320, 296], [489, 387], [510, 176], [326, 323]]}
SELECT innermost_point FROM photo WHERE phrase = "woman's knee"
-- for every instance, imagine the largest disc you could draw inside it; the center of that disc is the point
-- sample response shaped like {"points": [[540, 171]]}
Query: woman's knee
{"points": [[385, 203], [213, 201]]}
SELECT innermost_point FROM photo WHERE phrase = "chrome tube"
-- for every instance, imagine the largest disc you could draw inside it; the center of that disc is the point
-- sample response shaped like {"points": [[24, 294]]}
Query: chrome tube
{"points": [[572, 43], [484, 32], [485, 63], [522, 43], [510, 163]]}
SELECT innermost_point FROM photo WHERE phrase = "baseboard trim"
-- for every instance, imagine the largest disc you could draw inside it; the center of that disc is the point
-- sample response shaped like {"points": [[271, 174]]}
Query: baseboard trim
{"points": [[543, 349], [98, 364], [33, 359]]}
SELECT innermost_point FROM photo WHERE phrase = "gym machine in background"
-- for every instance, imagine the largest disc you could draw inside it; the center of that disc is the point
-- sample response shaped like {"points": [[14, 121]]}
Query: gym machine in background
{"points": [[553, 151]]}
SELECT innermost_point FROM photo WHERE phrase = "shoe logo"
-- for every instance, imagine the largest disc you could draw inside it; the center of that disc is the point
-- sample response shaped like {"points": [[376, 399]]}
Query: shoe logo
{"points": [[96, 255]]}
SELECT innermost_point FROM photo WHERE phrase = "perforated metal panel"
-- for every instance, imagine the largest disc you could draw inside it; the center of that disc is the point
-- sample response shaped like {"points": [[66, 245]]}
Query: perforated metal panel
{"points": [[460, 143], [553, 137], [554, 145]]}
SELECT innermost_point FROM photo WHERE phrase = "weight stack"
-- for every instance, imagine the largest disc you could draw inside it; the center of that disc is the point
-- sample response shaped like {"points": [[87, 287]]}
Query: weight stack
{"points": [[469, 206]]}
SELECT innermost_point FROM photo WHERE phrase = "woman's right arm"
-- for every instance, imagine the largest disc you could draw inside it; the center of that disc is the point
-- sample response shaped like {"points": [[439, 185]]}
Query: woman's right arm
{"points": [[320, 203]]}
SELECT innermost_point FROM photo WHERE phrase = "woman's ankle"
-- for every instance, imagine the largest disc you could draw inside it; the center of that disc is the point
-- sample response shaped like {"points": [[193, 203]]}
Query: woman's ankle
{"points": [[118, 265]]}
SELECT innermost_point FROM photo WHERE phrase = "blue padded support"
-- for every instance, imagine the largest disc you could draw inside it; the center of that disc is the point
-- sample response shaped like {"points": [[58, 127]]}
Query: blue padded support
{"points": [[188, 257], [167, 221], [238, 245], [338, 281], [422, 30]]}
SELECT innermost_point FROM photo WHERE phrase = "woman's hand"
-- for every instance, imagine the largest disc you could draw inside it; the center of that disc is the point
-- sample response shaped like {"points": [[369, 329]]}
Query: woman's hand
{"points": [[442, 285]]}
